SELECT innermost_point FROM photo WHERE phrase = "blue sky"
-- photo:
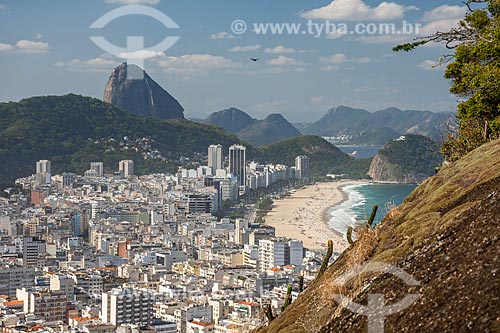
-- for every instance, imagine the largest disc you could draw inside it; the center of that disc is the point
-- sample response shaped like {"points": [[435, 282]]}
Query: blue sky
{"points": [[45, 50]]}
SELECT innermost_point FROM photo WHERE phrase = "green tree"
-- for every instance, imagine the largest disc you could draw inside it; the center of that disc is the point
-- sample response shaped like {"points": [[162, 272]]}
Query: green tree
{"points": [[474, 70]]}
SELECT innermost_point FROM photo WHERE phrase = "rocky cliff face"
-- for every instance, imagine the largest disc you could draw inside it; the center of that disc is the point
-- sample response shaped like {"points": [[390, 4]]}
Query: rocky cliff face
{"points": [[410, 159], [141, 96], [444, 235], [382, 170]]}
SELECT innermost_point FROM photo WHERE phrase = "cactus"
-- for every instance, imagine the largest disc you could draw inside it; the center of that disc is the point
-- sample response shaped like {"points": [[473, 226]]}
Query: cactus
{"points": [[349, 236], [372, 216], [268, 311], [301, 283], [288, 298], [326, 259]]}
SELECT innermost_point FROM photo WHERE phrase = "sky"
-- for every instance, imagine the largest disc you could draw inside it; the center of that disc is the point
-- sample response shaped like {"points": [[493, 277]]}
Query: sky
{"points": [[45, 49]]}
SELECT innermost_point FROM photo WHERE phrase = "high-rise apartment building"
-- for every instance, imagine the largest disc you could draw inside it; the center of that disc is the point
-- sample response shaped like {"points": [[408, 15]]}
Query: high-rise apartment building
{"points": [[302, 166], [237, 164], [275, 252], [126, 167], [125, 306], [215, 158], [271, 253], [98, 168], [43, 172], [33, 249]]}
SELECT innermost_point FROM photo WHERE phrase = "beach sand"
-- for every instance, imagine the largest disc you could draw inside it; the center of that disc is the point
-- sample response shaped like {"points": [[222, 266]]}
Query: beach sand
{"points": [[304, 215]]}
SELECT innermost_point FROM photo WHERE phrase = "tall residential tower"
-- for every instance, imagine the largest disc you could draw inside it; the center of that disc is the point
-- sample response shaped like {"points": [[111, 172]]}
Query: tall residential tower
{"points": [[237, 164], [215, 157]]}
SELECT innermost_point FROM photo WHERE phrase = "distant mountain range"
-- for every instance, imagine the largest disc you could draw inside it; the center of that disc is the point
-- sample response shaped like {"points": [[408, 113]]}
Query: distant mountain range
{"points": [[257, 132], [130, 88], [72, 131], [360, 125], [347, 125], [145, 123]]}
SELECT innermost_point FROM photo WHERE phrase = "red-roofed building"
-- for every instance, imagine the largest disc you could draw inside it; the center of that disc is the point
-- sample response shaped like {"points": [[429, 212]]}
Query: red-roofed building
{"points": [[197, 326], [247, 309]]}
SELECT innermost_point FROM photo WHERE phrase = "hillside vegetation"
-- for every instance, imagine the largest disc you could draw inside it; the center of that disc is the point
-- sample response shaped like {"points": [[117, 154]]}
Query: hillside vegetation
{"points": [[324, 157], [74, 130], [445, 235], [408, 160]]}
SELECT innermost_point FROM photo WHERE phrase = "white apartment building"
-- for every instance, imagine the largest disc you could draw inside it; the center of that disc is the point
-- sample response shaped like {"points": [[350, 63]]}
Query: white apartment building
{"points": [[126, 167], [98, 168], [63, 283], [302, 166], [186, 314], [43, 172], [125, 306], [271, 253], [215, 158]]}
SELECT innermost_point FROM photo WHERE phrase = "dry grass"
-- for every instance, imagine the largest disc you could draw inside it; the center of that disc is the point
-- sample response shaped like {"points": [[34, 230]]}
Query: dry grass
{"points": [[436, 206]]}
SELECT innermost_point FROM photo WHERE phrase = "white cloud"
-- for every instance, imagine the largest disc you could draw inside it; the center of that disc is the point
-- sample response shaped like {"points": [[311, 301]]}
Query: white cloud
{"points": [[38, 36], [223, 35], [134, 2], [362, 60], [97, 65], [280, 49], [245, 48], [285, 61], [442, 18], [444, 12], [329, 68], [358, 10], [340, 58], [430, 65], [197, 64], [336, 35], [334, 59], [6, 47], [141, 54], [28, 46]]}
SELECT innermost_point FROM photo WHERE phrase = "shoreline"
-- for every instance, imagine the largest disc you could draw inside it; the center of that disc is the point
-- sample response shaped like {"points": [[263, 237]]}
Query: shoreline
{"points": [[305, 215]]}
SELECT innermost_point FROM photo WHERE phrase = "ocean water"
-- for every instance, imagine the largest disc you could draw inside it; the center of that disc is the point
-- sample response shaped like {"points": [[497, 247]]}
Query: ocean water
{"points": [[362, 151], [361, 198]]}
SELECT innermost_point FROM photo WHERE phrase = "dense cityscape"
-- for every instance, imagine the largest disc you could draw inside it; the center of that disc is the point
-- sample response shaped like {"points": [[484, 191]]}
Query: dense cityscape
{"points": [[180, 253]]}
